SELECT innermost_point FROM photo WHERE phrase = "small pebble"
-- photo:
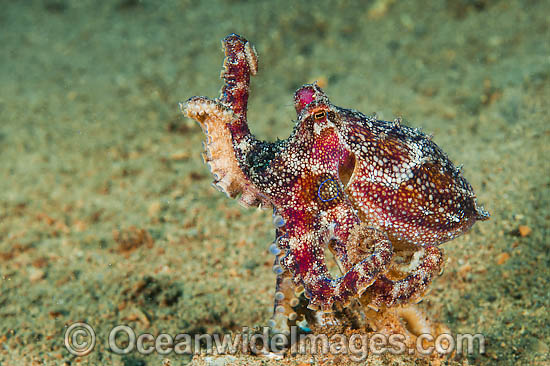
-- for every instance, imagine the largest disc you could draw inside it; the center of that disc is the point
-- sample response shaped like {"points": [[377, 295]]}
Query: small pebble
{"points": [[524, 231], [502, 258], [154, 209], [36, 274], [463, 270]]}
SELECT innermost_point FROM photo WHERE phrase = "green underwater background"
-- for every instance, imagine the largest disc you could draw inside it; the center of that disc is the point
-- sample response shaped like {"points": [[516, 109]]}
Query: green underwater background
{"points": [[107, 215]]}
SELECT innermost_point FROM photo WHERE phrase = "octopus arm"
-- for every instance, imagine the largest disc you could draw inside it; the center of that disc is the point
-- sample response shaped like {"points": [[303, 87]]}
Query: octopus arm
{"points": [[215, 119], [305, 257], [385, 292]]}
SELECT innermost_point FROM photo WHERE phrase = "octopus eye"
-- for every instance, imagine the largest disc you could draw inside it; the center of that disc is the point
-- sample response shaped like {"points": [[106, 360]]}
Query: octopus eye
{"points": [[319, 115]]}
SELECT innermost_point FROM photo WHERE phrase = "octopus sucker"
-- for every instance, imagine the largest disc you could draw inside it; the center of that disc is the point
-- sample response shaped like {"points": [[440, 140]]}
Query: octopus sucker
{"points": [[381, 195]]}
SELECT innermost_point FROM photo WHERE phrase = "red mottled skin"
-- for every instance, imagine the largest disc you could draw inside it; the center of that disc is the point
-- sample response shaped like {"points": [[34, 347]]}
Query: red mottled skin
{"points": [[342, 179]]}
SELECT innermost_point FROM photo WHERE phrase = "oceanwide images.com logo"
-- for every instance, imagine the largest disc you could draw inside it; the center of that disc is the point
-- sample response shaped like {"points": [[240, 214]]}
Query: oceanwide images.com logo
{"points": [[80, 340]]}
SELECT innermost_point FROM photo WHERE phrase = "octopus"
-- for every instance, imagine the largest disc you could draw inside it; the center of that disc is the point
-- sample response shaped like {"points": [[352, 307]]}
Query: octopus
{"points": [[377, 196]]}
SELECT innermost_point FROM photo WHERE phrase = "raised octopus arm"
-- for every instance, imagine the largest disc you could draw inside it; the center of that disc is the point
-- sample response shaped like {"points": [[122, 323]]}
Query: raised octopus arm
{"points": [[229, 142]]}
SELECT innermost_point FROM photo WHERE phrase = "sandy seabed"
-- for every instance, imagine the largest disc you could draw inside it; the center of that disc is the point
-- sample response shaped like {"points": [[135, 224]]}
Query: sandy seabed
{"points": [[106, 211]]}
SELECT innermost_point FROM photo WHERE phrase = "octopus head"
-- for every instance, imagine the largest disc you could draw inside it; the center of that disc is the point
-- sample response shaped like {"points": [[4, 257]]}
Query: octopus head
{"points": [[315, 111]]}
